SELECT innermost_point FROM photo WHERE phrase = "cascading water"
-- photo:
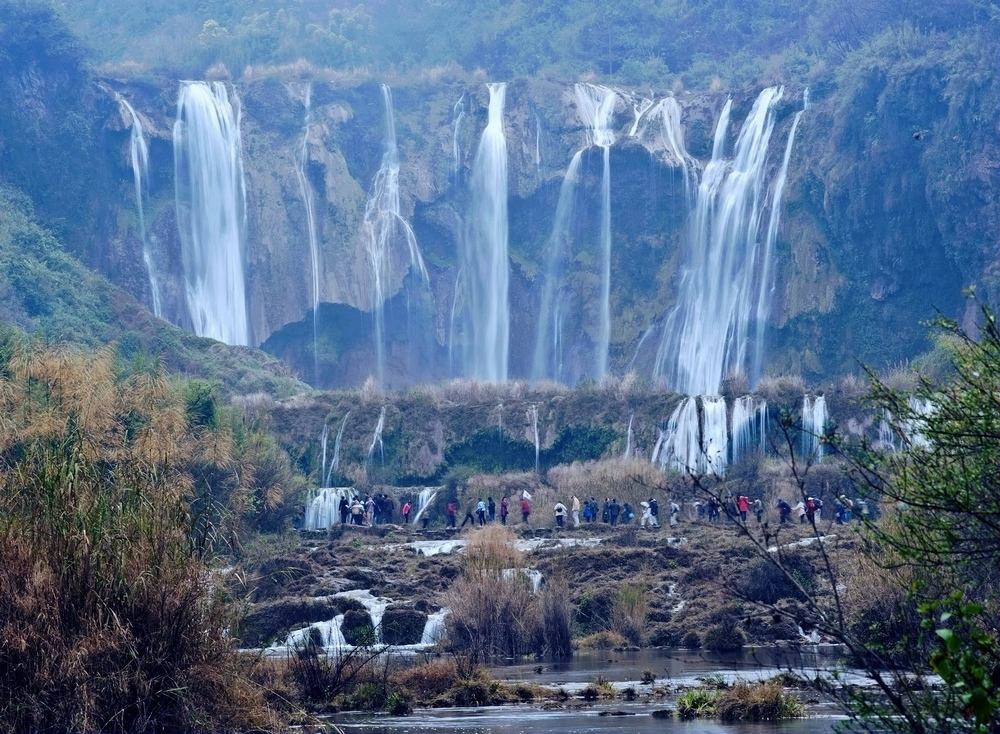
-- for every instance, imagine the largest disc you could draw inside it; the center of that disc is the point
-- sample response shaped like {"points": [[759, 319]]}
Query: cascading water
{"points": [[335, 461], [331, 635], [548, 358], [305, 190], [424, 500], [766, 286], [538, 145], [749, 427], [323, 508], [458, 112], [500, 420], [383, 227], [628, 438], [714, 434], [814, 418], [596, 107], [139, 157], [211, 210], [324, 437], [377, 438], [434, 628], [680, 449], [533, 416], [706, 336], [484, 260]]}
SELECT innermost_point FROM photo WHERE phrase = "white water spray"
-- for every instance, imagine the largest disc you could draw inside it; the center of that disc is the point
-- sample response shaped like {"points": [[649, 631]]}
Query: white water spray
{"points": [[377, 438], [533, 416], [306, 192], [814, 418], [484, 260], [211, 210], [749, 427]]}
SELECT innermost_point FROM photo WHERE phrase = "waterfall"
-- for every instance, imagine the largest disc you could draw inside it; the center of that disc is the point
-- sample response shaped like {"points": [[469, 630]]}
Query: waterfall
{"points": [[920, 409], [548, 361], [335, 461], [749, 427], [628, 438], [654, 457], [458, 112], [680, 448], [139, 157], [705, 337], [211, 210], [672, 139], [533, 416], [383, 226], [714, 435], [814, 420], [434, 628], [500, 420], [377, 438], [424, 500], [766, 287], [886, 435], [305, 191], [484, 259], [639, 109], [323, 508], [323, 438], [331, 635], [538, 145], [596, 107]]}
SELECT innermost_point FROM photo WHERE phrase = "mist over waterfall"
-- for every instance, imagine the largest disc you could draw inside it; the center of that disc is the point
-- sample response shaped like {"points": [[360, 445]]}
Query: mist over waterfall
{"points": [[384, 226], [596, 107], [139, 158], [483, 253], [706, 337], [211, 208], [305, 189]]}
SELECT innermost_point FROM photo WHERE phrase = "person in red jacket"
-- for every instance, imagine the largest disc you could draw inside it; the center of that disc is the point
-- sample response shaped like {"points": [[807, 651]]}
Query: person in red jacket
{"points": [[525, 509], [743, 505], [452, 512]]}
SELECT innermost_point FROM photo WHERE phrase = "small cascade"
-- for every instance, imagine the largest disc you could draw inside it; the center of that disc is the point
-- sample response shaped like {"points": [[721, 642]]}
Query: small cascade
{"points": [[749, 427], [706, 336], [323, 439], [211, 210], [640, 106], [533, 576], [306, 192], [628, 438], [714, 434], [920, 408], [766, 285], [425, 499], [458, 113], [533, 417], [385, 228], [596, 108], [455, 303], [434, 627], [654, 457], [374, 605], [886, 435], [139, 157], [323, 507], [814, 420], [680, 448], [548, 359], [335, 461], [500, 420], [330, 633], [483, 254], [377, 438], [538, 146]]}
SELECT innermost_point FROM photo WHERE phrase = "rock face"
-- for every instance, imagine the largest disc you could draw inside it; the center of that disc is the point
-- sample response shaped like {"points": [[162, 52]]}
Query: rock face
{"points": [[891, 207]]}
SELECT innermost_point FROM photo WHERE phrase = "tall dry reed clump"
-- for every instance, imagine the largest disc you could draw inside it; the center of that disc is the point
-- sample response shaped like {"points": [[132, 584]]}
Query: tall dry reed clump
{"points": [[494, 613], [108, 618]]}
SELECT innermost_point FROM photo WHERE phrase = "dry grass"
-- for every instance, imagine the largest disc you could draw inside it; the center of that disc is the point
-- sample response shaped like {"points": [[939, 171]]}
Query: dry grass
{"points": [[605, 640], [765, 701], [628, 614], [108, 620]]}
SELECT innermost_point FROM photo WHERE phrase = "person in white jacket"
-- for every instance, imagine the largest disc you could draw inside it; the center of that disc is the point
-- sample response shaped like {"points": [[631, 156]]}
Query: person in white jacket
{"points": [[560, 510], [576, 512], [647, 516]]}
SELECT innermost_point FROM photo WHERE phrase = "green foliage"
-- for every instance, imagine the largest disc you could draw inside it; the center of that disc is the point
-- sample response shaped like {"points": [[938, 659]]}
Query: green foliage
{"points": [[486, 450], [765, 583], [578, 443], [200, 404], [697, 703]]}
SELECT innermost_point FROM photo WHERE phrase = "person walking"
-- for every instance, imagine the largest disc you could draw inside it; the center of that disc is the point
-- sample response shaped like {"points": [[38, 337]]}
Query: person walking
{"points": [[606, 514], [614, 510], [388, 508], [470, 513], [345, 510], [675, 513], [525, 509], [504, 510], [743, 506], [491, 510], [654, 511], [800, 509], [452, 513], [576, 511], [627, 515], [647, 515], [358, 512], [560, 511], [481, 512], [407, 507], [784, 511], [758, 510]]}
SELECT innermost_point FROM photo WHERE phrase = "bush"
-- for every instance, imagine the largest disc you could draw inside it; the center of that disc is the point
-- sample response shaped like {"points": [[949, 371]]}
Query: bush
{"points": [[766, 583], [697, 703], [757, 702], [428, 681], [593, 611], [557, 616], [602, 641], [628, 615], [723, 638], [691, 640]]}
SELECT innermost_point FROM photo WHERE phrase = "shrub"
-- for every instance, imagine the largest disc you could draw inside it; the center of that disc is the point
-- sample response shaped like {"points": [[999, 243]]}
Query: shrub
{"points": [[428, 681], [628, 615], [765, 583], [697, 703], [757, 702], [557, 616], [593, 611], [605, 640], [691, 640], [723, 638]]}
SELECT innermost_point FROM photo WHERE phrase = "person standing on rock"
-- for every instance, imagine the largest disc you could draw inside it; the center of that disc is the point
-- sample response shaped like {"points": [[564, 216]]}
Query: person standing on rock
{"points": [[647, 516], [388, 508], [758, 510], [358, 512], [675, 513], [560, 510], [406, 513], [743, 506], [345, 510], [654, 511], [614, 510], [606, 514], [504, 510], [525, 509], [576, 511], [452, 513], [491, 510]]}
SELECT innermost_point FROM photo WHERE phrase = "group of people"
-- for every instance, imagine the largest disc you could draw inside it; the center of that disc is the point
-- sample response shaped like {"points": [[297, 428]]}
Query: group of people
{"points": [[373, 510]]}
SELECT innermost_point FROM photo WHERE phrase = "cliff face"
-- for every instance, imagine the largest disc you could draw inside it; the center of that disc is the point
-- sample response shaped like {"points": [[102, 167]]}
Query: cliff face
{"points": [[891, 207]]}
